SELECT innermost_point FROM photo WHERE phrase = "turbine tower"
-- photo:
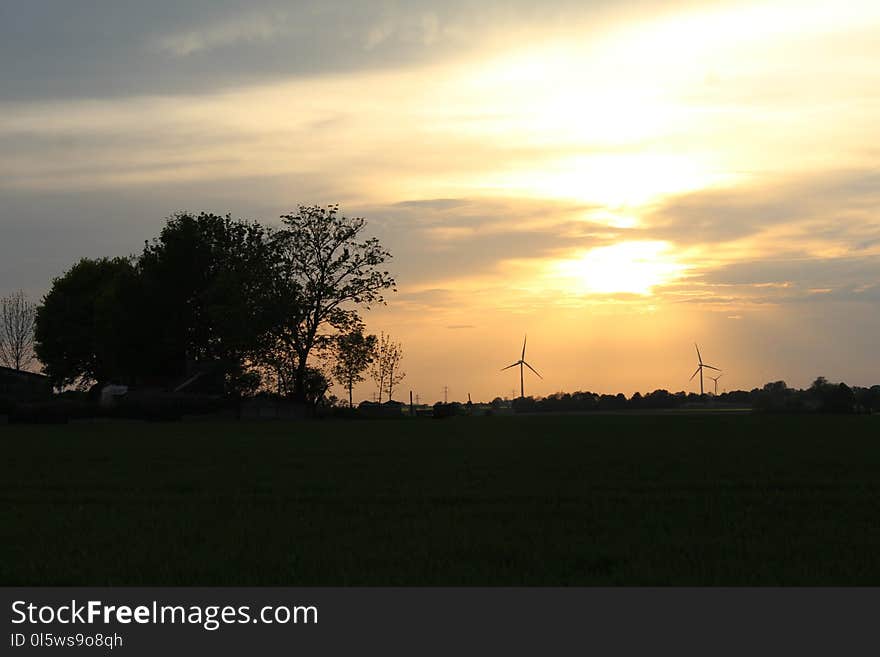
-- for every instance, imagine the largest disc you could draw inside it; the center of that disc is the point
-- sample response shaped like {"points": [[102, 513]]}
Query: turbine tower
{"points": [[715, 380], [700, 368], [521, 362]]}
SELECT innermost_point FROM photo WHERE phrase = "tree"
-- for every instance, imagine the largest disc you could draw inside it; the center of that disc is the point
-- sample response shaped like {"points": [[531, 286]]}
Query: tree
{"points": [[88, 326], [833, 397], [379, 364], [316, 386], [354, 352], [17, 320], [206, 294], [385, 370], [329, 269], [215, 292], [394, 356]]}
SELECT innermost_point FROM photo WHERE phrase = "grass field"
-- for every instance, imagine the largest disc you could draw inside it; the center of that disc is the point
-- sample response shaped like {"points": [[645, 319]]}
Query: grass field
{"points": [[555, 500]]}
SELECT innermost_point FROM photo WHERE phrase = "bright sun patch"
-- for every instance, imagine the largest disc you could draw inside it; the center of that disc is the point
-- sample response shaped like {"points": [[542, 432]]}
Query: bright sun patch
{"points": [[627, 267]]}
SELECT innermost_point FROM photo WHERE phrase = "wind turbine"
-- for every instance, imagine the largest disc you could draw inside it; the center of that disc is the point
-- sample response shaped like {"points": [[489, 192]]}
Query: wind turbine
{"points": [[521, 362], [700, 368], [715, 380]]}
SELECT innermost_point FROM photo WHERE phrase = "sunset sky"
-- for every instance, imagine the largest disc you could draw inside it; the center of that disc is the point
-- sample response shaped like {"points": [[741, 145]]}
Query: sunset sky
{"points": [[618, 180]]}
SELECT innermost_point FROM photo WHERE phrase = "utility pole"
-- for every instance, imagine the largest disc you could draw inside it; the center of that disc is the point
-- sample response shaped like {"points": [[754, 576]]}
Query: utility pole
{"points": [[445, 394], [412, 410]]}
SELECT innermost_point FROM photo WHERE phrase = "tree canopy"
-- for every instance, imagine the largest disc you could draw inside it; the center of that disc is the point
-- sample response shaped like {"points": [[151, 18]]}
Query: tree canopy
{"points": [[211, 284], [87, 326]]}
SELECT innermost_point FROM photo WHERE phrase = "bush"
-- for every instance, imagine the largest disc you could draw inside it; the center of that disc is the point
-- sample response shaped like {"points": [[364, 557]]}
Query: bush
{"points": [[164, 407], [55, 411], [447, 410]]}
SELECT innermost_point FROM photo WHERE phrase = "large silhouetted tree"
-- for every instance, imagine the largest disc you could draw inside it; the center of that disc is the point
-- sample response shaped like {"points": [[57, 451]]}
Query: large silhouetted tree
{"points": [[88, 326], [214, 287], [331, 270], [17, 318], [208, 292]]}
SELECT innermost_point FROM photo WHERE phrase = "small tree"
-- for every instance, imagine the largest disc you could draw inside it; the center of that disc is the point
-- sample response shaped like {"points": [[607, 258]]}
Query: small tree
{"points": [[17, 321], [379, 364], [394, 357], [385, 370], [354, 352]]}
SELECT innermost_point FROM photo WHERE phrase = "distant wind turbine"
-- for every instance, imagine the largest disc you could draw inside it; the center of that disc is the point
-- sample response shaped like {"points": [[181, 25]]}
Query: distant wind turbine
{"points": [[521, 362], [700, 368], [715, 380]]}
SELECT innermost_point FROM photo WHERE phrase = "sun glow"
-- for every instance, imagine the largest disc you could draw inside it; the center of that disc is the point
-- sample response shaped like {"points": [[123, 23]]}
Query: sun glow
{"points": [[613, 180], [624, 268]]}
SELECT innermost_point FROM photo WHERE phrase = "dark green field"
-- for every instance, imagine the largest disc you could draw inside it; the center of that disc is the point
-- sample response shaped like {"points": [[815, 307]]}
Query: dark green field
{"points": [[580, 500]]}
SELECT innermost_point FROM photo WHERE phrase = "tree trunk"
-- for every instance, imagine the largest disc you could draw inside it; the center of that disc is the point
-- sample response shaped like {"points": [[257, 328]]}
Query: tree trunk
{"points": [[299, 382]]}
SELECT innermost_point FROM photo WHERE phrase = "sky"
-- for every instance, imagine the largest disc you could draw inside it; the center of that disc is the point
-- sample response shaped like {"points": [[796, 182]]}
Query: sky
{"points": [[617, 180]]}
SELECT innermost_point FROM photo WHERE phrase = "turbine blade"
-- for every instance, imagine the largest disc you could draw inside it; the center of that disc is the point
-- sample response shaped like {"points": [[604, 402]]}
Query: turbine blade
{"points": [[699, 357], [694, 374], [523, 357], [711, 368], [533, 369], [509, 366]]}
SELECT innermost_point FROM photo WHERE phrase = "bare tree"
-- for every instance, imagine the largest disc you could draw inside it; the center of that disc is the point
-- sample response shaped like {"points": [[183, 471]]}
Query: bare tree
{"points": [[379, 364], [385, 369], [17, 320], [395, 374]]}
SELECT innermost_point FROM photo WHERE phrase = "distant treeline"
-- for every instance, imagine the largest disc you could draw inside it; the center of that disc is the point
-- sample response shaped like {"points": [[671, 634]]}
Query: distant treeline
{"points": [[821, 397]]}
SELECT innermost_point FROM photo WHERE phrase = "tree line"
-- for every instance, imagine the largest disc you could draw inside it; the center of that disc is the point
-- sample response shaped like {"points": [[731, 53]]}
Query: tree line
{"points": [[259, 308], [822, 396]]}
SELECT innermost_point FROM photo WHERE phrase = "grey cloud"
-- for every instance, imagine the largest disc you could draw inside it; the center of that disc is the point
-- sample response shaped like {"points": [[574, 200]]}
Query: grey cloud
{"points": [[841, 209], [426, 299], [42, 233], [433, 203], [793, 280], [100, 48], [51, 49], [495, 232], [840, 204], [813, 272], [108, 48], [45, 232]]}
